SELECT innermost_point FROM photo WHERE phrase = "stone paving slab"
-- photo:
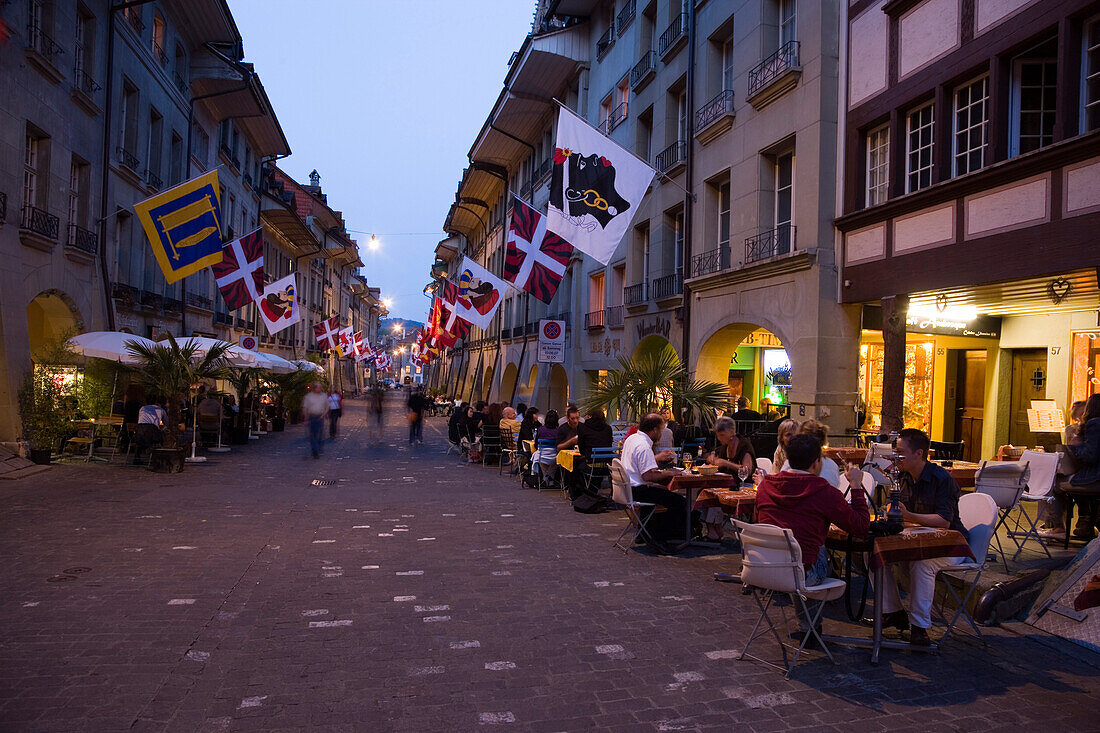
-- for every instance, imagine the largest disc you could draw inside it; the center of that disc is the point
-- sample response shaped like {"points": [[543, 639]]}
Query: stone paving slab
{"points": [[411, 592]]}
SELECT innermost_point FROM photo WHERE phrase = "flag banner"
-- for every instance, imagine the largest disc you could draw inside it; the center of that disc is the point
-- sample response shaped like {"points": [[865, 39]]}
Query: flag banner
{"points": [[240, 274], [535, 259], [325, 332], [451, 325], [279, 304], [595, 188], [383, 363], [357, 344], [480, 293], [183, 225], [344, 341]]}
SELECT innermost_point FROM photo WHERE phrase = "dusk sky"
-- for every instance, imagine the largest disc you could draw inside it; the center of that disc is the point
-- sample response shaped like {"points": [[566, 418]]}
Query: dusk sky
{"points": [[384, 100]]}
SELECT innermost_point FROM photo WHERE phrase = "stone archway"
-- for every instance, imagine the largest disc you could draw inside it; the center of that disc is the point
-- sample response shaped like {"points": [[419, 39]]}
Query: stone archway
{"points": [[747, 358], [508, 382], [559, 389], [654, 345], [487, 383], [51, 314]]}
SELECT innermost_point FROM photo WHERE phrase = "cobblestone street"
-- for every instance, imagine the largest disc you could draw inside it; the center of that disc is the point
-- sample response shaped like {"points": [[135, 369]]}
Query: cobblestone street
{"points": [[384, 587]]}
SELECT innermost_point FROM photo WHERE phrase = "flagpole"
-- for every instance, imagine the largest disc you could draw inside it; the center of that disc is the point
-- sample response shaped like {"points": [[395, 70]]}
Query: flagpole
{"points": [[631, 152]]}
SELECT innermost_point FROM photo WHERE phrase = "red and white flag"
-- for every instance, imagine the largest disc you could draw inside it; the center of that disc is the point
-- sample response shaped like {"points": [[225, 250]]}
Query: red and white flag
{"points": [[326, 332], [240, 274], [452, 327], [535, 259], [344, 341]]}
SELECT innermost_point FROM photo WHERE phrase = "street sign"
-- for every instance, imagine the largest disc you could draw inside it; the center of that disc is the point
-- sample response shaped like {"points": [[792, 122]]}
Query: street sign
{"points": [[249, 342], [551, 341]]}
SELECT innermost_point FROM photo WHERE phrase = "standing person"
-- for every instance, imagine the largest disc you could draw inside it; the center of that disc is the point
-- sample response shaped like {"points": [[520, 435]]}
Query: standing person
{"points": [[335, 410], [376, 402], [416, 405], [748, 419], [315, 407]]}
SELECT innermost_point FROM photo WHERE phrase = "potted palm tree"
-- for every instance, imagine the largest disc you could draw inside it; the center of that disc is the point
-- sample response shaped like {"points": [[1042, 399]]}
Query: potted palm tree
{"points": [[289, 391], [243, 380], [172, 370]]}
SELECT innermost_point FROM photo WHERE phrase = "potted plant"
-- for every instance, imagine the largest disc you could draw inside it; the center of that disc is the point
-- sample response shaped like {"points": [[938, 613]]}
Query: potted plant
{"points": [[243, 380], [288, 393], [41, 410], [168, 369]]}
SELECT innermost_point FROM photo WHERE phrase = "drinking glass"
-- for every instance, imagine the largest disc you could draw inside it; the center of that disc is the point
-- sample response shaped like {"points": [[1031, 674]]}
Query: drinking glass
{"points": [[687, 461], [742, 472]]}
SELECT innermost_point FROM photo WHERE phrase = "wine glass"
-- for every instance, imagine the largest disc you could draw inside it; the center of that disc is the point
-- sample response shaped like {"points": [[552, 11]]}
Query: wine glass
{"points": [[687, 460], [742, 472]]}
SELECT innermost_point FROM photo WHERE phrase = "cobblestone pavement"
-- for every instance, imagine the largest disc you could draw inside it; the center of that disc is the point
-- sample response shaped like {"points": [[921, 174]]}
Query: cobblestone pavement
{"points": [[406, 591]]}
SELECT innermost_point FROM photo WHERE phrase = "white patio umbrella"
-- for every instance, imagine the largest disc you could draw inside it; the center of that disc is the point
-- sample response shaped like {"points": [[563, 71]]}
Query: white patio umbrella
{"points": [[235, 355], [308, 366], [110, 345], [274, 363]]}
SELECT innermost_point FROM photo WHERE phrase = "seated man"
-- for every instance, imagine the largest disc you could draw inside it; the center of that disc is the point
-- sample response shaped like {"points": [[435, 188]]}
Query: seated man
{"points": [[647, 481], [150, 427], [510, 423], [209, 412], [800, 500], [929, 498], [567, 431]]}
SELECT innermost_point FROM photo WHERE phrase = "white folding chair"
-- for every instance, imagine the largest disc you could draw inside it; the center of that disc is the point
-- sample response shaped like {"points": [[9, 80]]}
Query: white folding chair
{"points": [[978, 514], [623, 495], [764, 464], [772, 563], [1005, 482], [868, 487], [1040, 488]]}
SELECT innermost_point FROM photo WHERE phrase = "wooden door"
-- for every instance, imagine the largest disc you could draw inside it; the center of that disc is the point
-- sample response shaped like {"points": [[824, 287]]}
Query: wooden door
{"points": [[970, 403], [1029, 382]]}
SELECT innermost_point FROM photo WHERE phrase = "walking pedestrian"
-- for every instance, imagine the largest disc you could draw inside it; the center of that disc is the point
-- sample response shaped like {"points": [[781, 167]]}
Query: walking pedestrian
{"points": [[416, 416], [315, 407], [376, 402], [335, 409]]}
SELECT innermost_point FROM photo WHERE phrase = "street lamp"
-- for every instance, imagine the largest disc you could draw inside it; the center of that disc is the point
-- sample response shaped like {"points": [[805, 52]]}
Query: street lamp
{"points": [[374, 243]]}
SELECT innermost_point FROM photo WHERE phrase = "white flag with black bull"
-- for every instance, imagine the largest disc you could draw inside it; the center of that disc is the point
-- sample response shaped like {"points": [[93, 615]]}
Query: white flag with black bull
{"points": [[595, 188]]}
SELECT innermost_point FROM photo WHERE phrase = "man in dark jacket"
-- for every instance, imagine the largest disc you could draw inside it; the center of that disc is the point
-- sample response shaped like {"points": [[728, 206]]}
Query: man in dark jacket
{"points": [[458, 416]]}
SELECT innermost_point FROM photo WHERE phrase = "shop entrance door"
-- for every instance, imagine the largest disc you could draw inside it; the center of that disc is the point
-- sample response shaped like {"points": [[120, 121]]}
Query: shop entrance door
{"points": [[1029, 382], [970, 403]]}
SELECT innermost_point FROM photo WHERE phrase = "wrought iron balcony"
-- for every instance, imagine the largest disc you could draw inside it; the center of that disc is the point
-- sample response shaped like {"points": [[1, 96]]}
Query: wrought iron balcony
{"points": [[85, 83], [134, 16], [181, 84], [171, 305], [159, 54], [3, 207], [714, 260], [194, 300], [672, 156], [82, 239], [595, 319], [634, 294], [532, 327], [152, 300], [673, 34], [625, 16], [38, 40], [153, 179], [544, 169], [127, 158], [617, 117], [607, 40], [242, 323], [517, 331], [645, 68], [40, 222], [773, 67], [666, 286], [778, 241], [225, 319], [614, 317], [127, 294], [717, 108]]}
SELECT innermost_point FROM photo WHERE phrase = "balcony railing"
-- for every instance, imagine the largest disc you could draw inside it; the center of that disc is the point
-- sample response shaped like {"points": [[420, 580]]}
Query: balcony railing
{"points": [[773, 67], [614, 316], [225, 319], [134, 16], [606, 41], [625, 16], [153, 179], [40, 222], [181, 84], [646, 66], [85, 83], [247, 180], [714, 110], [171, 305], [617, 116], [242, 323], [634, 294], [125, 293], [159, 54], [544, 169], [199, 301], [3, 207], [152, 300], [667, 286], [673, 34], [517, 331], [714, 260], [82, 239], [595, 319], [672, 156], [42, 43], [532, 327], [778, 241], [127, 158]]}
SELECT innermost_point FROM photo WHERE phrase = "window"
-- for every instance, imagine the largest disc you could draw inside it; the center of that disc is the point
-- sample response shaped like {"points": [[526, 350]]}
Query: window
{"points": [[128, 133], [84, 52], [78, 193], [159, 40], [681, 117], [784, 200], [605, 113], [1090, 76], [644, 134], [200, 145], [596, 295], [1034, 87], [971, 121], [156, 142], [175, 162], [32, 162], [727, 64], [918, 150], [724, 216], [878, 165], [678, 242], [786, 22]]}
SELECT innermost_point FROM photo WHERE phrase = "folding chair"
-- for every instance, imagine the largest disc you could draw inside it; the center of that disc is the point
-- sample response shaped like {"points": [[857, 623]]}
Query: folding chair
{"points": [[1005, 482], [623, 495], [764, 464], [490, 444], [695, 446], [543, 463], [1040, 487], [772, 563], [978, 513], [599, 466]]}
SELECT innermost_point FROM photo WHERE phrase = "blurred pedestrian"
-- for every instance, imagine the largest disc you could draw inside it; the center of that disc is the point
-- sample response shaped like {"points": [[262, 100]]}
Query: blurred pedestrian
{"points": [[315, 407], [335, 410]]}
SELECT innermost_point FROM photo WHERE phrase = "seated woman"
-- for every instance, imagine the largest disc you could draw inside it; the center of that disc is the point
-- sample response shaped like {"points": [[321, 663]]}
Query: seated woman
{"points": [[731, 451], [786, 429], [1084, 485], [548, 457]]}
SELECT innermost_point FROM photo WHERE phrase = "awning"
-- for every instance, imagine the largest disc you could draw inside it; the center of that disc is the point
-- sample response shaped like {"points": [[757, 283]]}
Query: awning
{"points": [[1066, 293]]}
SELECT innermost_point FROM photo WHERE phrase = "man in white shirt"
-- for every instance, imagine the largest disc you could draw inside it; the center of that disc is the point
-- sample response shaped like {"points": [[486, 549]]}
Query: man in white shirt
{"points": [[647, 481], [315, 407]]}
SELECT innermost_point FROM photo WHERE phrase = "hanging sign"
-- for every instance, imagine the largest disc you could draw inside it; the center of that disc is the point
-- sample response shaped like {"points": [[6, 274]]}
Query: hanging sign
{"points": [[551, 341]]}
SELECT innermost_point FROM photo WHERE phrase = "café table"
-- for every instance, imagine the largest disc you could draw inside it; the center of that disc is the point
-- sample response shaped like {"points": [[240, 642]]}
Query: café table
{"points": [[690, 485], [566, 457], [914, 543], [846, 454], [962, 471]]}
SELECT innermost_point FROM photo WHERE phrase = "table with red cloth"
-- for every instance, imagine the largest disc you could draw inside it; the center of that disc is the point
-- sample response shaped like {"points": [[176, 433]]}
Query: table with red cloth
{"points": [[914, 543], [846, 455], [1089, 597], [962, 471], [690, 485]]}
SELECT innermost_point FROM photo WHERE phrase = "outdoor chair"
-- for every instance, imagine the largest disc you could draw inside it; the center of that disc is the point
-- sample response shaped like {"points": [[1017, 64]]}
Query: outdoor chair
{"points": [[490, 444], [623, 495], [947, 451], [695, 446], [1040, 487], [978, 514], [764, 464], [1005, 482], [771, 564], [507, 448], [599, 467], [544, 463], [868, 487]]}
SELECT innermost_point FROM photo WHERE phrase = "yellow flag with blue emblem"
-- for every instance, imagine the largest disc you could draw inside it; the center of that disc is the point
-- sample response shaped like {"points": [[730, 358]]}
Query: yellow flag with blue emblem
{"points": [[184, 226]]}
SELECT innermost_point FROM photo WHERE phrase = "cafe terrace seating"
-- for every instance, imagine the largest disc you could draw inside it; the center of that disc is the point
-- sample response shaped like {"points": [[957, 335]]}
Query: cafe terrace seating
{"points": [[978, 514]]}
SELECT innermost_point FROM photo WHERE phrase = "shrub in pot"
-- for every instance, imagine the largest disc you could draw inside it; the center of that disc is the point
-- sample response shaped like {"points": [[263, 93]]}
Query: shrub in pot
{"points": [[43, 414]]}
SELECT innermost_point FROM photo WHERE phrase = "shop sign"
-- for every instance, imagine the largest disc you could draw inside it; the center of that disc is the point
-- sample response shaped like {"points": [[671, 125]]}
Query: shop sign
{"points": [[657, 327], [979, 326], [607, 346], [762, 337]]}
